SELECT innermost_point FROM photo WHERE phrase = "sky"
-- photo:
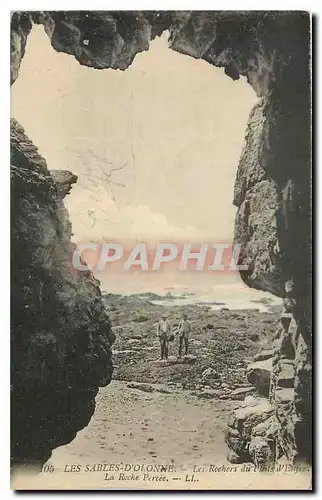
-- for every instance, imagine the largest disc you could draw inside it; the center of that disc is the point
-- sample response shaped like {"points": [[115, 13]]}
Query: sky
{"points": [[155, 147], [173, 126]]}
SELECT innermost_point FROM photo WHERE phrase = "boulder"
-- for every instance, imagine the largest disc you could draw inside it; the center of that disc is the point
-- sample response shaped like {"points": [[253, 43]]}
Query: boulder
{"points": [[259, 375], [209, 394], [263, 355], [233, 458], [240, 393]]}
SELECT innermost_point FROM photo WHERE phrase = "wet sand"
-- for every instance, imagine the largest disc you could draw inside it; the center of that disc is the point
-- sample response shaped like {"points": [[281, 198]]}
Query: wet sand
{"points": [[133, 426]]}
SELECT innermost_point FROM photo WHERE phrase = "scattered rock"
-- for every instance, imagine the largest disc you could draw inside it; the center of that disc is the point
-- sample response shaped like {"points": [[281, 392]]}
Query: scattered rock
{"points": [[240, 393], [209, 394], [141, 387], [209, 374], [189, 359], [261, 356], [140, 318], [224, 397], [163, 390], [249, 417], [124, 351]]}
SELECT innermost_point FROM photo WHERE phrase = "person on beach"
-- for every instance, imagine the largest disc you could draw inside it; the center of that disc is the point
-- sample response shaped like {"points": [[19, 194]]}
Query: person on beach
{"points": [[164, 332], [184, 330]]}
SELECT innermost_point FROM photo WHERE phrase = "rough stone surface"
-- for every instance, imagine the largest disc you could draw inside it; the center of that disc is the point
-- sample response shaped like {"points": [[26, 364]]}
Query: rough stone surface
{"points": [[261, 356], [291, 389], [209, 394], [285, 374], [241, 392], [210, 375], [233, 458], [260, 452], [267, 429], [64, 180], [60, 332], [284, 413], [241, 424], [273, 188], [259, 375], [21, 25]]}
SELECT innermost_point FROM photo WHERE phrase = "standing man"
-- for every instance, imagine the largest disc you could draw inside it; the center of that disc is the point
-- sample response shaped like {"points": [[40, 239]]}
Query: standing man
{"points": [[184, 330], [164, 331]]}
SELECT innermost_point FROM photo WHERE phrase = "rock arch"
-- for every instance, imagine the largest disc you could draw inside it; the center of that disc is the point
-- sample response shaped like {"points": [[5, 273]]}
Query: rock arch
{"points": [[272, 192]]}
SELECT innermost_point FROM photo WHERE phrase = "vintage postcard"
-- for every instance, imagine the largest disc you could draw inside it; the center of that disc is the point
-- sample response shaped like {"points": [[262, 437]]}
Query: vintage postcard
{"points": [[161, 250]]}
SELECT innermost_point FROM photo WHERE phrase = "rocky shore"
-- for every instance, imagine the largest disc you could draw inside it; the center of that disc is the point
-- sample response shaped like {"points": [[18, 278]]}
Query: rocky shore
{"points": [[223, 343]]}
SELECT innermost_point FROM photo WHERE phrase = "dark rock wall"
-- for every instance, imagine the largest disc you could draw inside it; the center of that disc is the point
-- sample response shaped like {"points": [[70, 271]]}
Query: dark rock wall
{"points": [[21, 25], [273, 224], [60, 332], [273, 187]]}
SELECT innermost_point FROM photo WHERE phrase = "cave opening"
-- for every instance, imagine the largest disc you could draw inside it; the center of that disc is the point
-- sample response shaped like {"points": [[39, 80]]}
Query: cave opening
{"points": [[155, 149]]}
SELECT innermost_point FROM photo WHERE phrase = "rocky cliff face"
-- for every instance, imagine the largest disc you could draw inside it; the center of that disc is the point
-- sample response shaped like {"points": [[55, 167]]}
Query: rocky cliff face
{"points": [[61, 335], [272, 190], [21, 25], [64, 181]]}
